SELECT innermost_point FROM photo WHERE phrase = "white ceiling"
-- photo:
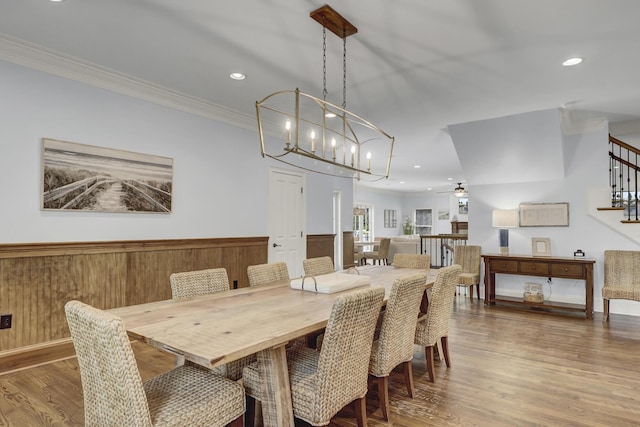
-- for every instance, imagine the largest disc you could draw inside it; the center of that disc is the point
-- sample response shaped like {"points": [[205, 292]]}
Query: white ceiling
{"points": [[414, 67]]}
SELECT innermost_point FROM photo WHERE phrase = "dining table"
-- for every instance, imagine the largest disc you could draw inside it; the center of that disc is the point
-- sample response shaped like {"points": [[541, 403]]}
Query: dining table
{"points": [[215, 329]]}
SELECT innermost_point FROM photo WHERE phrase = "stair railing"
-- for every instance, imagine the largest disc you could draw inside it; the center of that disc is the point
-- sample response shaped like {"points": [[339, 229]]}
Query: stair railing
{"points": [[623, 169]]}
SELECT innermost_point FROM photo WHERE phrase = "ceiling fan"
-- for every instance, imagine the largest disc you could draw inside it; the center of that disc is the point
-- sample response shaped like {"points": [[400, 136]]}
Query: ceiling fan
{"points": [[459, 191]]}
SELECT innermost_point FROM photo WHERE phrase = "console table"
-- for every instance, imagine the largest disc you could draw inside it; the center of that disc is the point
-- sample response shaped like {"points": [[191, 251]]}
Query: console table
{"points": [[560, 267]]}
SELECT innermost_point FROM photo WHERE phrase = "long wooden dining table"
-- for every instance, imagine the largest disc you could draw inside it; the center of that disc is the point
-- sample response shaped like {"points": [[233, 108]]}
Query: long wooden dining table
{"points": [[216, 329]]}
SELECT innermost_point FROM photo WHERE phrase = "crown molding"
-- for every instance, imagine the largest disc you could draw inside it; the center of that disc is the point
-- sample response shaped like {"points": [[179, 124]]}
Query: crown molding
{"points": [[52, 62]]}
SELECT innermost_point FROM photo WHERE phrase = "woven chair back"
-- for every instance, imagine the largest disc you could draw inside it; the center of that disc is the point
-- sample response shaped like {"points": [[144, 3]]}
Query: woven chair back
{"points": [[412, 261], [111, 383], [263, 274], [468, 257], [201, 282], [344, 358], [436, 323], [383, 251], [395, 342], [318, 266]]}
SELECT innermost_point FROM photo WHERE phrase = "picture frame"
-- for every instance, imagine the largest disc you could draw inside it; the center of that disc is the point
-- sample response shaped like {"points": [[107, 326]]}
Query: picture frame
{"points": [[540, 246], [463, 205], [390, 218], [79, 177], [544, 214]]}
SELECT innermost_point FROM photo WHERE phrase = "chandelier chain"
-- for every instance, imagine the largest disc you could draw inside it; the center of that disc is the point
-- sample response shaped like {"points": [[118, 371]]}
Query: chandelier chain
{"points": [[324, 63], [344, 73]]}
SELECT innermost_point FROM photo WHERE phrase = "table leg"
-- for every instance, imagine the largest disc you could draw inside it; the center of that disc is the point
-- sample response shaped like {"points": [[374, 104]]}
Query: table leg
{"points": [[277, 408], [588, 281]]}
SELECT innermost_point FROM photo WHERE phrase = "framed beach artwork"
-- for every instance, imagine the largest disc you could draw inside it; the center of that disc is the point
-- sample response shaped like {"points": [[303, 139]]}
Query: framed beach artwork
{"points": [[78, 177], [544, 214]]}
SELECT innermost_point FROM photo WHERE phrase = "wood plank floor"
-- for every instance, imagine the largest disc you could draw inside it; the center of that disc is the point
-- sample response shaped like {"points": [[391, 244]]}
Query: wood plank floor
{"points": [[509, 368]]}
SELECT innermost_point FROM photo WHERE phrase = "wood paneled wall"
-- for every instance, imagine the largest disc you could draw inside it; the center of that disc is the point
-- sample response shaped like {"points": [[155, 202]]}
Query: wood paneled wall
{"points": [[320, 245], [36, 280], [347, 249]]}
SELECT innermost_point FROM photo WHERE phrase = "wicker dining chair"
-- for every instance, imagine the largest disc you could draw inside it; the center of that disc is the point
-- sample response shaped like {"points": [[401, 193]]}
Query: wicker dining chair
{"points": [[358, 253], [318, 266], [412, 261], [394, 345], [204, 282], [621, 277], [114, 394], [434, 325], [201, 282], [469, 258], [263, 274], [381, 255], [323, 382]]}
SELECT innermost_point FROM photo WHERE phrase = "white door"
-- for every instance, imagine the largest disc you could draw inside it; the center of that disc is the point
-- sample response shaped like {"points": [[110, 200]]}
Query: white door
{"points": [[337, 230], [287, 220]]}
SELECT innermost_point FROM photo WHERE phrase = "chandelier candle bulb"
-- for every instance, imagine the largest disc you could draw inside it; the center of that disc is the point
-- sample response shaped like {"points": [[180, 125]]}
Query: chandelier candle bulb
{"points": [[353, 153], [313, 142], [368, 160], [287, 126], [333, 149]]}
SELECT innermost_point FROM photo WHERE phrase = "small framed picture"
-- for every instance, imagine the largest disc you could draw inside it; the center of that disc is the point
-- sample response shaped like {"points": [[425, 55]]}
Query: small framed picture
{"points": [[540, 246]]}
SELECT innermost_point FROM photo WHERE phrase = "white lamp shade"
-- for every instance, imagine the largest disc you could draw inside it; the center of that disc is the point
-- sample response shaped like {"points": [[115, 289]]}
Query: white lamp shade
{"points": [[504, 218]]}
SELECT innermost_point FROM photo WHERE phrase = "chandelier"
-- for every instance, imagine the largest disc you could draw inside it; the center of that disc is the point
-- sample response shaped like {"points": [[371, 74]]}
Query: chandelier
{"points": [[313, 134]]}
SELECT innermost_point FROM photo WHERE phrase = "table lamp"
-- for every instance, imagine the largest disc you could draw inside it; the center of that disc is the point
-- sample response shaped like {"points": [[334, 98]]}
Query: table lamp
{"points": [[504, 219]]}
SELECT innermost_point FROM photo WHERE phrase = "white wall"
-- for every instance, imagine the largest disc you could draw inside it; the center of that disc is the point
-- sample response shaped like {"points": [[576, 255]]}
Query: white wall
{"points": [[380, 200], [435, 202], [220, 182], [405, 204], [586, 167]]}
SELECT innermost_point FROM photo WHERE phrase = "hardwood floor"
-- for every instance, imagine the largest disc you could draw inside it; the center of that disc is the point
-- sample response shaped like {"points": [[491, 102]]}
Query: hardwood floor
{"points": [[509, 368]]}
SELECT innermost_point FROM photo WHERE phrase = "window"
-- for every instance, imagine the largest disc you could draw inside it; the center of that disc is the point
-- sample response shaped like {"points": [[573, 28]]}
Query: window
{"points": [[362, 223], [390, 219], [424, 221]]}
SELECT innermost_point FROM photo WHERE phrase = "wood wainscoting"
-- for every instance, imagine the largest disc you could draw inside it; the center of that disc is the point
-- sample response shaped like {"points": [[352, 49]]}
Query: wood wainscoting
{"points": [[37, 279], [347, 249], [320, 245]]}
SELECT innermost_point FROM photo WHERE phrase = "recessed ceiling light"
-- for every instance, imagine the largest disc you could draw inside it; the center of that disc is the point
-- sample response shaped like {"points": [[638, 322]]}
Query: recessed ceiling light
{"points": [[57, 1], [572, 61], [401, 182], [237, 76], [416, 166], [450, 179]]}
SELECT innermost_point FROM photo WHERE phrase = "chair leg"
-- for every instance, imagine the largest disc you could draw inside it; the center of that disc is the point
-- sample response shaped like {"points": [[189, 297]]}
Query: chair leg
{"points": [[477, 290], [606, 309], [428, 355], [250, 412], [408, 377], [383, 396], [253, 413], [445, 350], [238, 422], [361, 411], [470, 292]]}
